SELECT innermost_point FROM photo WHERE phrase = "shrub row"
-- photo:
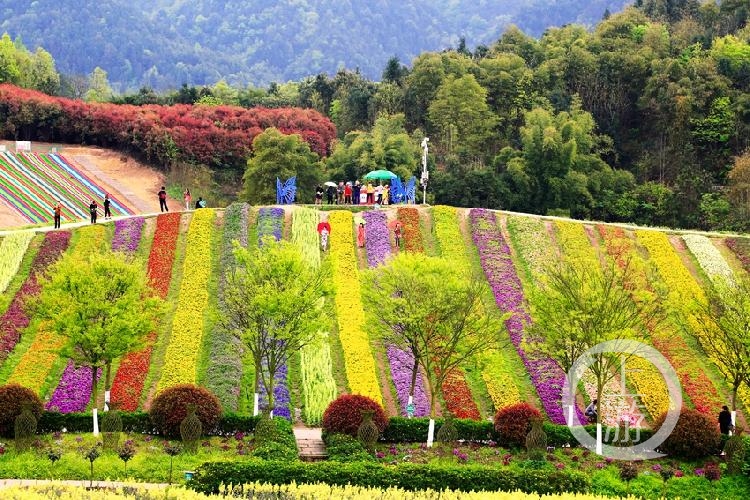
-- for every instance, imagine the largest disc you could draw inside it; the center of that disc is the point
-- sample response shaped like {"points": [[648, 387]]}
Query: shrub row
{"points": [[210, 476]]}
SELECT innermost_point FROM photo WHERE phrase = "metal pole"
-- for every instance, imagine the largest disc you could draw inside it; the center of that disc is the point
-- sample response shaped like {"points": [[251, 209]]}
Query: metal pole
{"points": [[425, 174]]}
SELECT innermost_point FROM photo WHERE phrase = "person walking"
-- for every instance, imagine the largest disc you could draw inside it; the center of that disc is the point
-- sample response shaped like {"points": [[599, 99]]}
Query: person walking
{"points": [[93, 207], [379, 194], [340, 193], [163, 200], [355, 193], [319, 195], [188, 198], [58, 215], [725, 420], [386, 194], [361, 235], [107, 212]]}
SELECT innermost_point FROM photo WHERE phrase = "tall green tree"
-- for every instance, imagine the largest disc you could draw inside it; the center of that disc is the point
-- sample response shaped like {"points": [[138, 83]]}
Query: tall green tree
{"points": [[102, 305], [99, 89], [274, 305], [421, 305], [283, 156]]}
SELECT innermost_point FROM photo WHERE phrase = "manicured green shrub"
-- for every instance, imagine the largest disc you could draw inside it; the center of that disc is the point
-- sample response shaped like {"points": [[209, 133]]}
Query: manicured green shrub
{"points": [[281, 444], [12, 400], [414, 430], [210, 476], [513, 423], [169, 408], [694, 436], [344, 414], [345, 448]]}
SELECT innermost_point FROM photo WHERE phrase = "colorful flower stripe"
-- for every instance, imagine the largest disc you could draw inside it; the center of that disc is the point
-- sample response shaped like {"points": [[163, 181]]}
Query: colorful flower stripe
{"points": [[185, 342], [15, 320], [412, 234], [683, 289], [131, 374], [378, 248], [666, 337], [377, 238], [34, 366], [741, 248], [224, 372], [576, 247], [128, 234], [73, 392], [318, 384], [494, 254], [271, 223], [709, 258], [12, 250], [32, 183], [358, 359], [401, 363], [530, 235], [498, 379]]}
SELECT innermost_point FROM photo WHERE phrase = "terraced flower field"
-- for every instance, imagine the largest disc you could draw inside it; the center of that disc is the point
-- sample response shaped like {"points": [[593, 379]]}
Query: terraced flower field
{"points": [[510, 252]]}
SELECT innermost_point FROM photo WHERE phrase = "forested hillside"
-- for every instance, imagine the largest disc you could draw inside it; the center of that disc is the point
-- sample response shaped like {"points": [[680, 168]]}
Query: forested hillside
{"points": [[165, 43]]}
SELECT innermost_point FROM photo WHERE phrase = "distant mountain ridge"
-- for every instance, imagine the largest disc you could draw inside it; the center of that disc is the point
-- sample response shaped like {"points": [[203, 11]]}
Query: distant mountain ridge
{"points": [[164, 43]]}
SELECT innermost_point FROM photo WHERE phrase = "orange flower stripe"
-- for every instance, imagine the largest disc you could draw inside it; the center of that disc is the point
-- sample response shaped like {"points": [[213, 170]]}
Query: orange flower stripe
{"points": [[409, 217]]}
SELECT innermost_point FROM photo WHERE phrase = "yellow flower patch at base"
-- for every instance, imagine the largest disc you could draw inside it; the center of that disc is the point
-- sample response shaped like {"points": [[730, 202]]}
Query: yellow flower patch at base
{"points": [[33, 368], [358, 360], [183, 351]]}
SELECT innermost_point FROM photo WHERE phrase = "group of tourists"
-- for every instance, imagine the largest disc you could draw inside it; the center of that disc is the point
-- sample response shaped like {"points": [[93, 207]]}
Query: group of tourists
{"points": [[348, 193], [93, 211], [186, 196]]}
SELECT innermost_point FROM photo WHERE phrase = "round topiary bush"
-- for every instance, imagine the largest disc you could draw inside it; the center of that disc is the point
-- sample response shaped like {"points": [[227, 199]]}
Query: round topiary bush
{"points": [[513, 423], [12, 399], [694, 436], [170, 407], [344, 414]]}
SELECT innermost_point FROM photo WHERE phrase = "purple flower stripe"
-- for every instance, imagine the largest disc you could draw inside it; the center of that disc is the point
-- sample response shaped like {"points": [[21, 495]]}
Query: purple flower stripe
{"points": [[377, 238], [280, 395], [127, 234], [270, 223], [73, 393], [401, 363], [494, 253]]}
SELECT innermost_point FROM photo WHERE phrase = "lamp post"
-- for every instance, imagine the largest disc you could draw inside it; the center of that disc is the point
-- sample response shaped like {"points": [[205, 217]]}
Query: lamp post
{"points": [[425, 174]]}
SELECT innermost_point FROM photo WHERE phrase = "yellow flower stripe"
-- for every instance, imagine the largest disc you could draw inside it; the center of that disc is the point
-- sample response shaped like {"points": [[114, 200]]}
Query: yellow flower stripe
{"points": [[683, 289], [360, 365], [318, 384], [645, 377], [187, 325], [12, 250], [495, 373], [532, 241], [34, 366]]}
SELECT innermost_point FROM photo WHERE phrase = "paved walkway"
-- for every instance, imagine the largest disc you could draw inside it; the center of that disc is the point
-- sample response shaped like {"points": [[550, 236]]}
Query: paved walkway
{"points": [[310, 444]]}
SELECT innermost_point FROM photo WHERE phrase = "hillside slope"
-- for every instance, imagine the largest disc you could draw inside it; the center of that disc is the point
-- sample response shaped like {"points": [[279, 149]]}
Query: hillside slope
{"points": [[166, 43], [188, 254]]}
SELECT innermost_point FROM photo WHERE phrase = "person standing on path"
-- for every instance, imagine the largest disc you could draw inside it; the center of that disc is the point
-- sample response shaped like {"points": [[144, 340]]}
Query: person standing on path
{"points": [[319, 195], [163, 200], [397, 235], [107, 212], [188, 198], [201, 203], [361, 235], [355, 193], [370, 194], [92, 210], [725, 420], [58, 214]]}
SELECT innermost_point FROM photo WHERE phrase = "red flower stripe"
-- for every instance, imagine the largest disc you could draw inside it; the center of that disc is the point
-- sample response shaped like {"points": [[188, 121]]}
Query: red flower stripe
{"points": [[15, 319], [409, 217], [666, 338], [131, 376]]}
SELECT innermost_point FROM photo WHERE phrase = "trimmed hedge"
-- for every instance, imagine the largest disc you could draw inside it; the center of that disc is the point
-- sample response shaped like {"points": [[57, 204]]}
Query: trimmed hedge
{"points": [[210, 476], [137, 422], [344, 448]]}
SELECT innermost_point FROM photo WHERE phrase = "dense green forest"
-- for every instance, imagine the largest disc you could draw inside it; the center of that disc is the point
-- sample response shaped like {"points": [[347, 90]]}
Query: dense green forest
{"points": [[644, 118], [164, 43]]}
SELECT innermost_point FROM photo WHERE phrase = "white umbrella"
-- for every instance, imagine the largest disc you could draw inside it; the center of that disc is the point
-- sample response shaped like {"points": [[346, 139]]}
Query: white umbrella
{"points": [[330, 183]]}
